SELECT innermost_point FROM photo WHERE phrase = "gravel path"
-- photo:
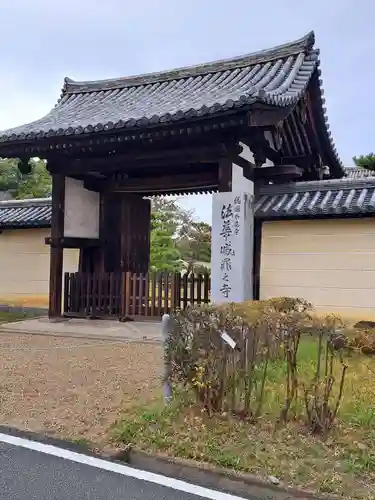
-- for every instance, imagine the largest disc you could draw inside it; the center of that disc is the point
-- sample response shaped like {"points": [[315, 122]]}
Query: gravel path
{"points": [[73, 388]]}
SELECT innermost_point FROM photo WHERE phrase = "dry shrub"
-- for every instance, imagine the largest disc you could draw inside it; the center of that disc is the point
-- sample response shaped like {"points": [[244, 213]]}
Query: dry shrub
{"points": [[217, 372], [322, 402], [233, 379], [291, 317], [364, 341]]}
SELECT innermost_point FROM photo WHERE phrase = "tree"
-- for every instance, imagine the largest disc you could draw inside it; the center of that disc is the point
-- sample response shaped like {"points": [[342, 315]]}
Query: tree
{"points": [[365, 161], [195, 246], [178, 219], [35, 184], [177, 237], [164, 255]]}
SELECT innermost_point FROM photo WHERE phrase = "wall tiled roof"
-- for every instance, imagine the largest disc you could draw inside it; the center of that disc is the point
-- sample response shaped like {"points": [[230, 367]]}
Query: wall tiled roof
{"points": [[350, 196], [25, 213], [277, 76], [345, 197], [358, 173]]}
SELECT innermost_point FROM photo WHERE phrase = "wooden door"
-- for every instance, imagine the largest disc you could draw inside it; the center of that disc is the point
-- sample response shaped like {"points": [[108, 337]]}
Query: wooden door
{"points": [[135, 233]]}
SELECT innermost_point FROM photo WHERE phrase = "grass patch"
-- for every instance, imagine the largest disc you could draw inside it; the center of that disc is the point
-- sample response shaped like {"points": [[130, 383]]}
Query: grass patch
{"points": [[8, 316], [343, 464]]}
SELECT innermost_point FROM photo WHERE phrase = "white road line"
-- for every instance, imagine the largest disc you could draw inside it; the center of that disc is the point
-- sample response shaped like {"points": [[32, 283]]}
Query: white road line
{"points": [[175, 484]]}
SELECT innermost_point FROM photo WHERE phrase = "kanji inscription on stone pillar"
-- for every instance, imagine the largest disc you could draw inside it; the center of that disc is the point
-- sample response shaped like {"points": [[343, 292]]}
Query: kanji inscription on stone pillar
{"points": [[232, 247]]}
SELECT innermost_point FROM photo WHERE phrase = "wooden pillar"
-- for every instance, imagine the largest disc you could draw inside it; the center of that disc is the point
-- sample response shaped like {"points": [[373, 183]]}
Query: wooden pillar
{"points": [[225, 175], [257, 249], [135, 233], [56, 249], [257, 246]]}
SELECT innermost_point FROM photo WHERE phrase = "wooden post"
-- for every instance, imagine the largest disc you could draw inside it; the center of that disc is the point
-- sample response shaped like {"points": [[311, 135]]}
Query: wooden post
{"points": [[56, 249], [257, 246], [165, 331], [257, 258], [225, 175]]}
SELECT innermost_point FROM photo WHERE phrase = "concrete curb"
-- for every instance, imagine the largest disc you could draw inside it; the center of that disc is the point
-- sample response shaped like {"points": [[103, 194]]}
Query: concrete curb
{"points": [[241, 484], [244, 485]]}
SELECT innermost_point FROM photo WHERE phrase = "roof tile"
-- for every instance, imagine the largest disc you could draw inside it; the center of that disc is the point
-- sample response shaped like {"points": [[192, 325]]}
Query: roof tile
{"points": [[358, 172], [25, 213], [277, 76], [351, 196], [348, 196]]}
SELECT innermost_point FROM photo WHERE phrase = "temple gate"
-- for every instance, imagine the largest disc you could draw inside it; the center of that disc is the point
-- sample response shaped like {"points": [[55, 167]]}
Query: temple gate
{"points": [[224, 127]]}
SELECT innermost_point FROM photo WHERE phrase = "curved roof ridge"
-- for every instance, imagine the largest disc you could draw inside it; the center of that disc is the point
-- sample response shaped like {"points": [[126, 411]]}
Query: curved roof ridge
{"points": [[28, 202], [301, 45], [318, 185]]}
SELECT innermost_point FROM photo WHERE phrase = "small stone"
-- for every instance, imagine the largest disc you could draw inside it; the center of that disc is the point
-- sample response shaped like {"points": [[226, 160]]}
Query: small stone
{"points": [[274, 480]]}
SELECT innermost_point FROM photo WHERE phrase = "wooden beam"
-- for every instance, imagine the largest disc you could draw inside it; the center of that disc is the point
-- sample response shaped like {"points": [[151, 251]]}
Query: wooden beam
{"points": [[138, 159], [269, 152], [278, 173], [225, 175], [257, 253], [291, 139], [296, 129], [56, 252], [306, 139], [263, 115], [72, 242], [204, 180], [198, 127]]}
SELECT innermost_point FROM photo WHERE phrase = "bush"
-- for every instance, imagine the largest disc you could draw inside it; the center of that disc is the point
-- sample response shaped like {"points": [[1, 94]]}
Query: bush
{"points": [[222, 375], [223, 353], [321, 403]]}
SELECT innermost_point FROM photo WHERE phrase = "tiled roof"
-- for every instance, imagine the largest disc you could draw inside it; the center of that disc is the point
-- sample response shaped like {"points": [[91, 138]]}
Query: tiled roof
{"points": [[25, 213], [345, 196], [358, 173], [352, 195], [277, 76]]}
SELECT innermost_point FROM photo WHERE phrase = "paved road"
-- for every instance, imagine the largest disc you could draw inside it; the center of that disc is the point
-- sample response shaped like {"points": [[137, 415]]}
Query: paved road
{"points": [[31, 475]]}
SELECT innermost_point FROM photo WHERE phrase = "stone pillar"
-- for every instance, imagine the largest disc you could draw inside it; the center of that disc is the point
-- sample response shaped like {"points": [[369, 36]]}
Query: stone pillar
{"points": [[233, 238], [232, 247]]}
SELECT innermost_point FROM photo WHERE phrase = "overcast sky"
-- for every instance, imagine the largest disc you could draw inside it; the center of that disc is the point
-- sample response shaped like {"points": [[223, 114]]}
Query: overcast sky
{"points": [[42, 41]]}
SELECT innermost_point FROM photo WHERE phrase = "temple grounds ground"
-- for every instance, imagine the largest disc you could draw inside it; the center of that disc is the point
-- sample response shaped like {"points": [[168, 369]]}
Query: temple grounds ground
{"points": [[74, 388]]}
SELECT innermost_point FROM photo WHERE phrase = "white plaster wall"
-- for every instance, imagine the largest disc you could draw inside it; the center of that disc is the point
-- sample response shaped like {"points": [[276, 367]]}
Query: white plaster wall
{"points": [[268, 136], [81, 219], [239, 182]]}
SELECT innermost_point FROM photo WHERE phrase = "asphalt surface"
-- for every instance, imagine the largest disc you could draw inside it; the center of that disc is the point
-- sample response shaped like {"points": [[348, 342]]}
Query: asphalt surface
{"points": [[31, 475]]}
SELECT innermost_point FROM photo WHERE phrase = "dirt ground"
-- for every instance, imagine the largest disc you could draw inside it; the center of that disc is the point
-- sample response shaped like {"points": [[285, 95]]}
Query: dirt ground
{"points": [[73, 388]]}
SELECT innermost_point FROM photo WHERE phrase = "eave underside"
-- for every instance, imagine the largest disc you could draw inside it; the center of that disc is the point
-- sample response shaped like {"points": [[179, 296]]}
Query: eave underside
{"points": [[194, 148]]}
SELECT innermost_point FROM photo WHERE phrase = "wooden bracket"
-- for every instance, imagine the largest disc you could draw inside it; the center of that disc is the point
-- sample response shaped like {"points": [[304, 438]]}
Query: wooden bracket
{"points": [[72, 242]]}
